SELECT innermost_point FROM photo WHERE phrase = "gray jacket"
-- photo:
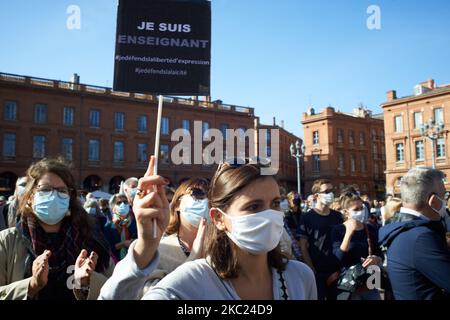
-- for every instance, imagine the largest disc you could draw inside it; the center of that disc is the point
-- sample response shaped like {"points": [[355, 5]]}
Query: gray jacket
{"points": [[196, 280]]}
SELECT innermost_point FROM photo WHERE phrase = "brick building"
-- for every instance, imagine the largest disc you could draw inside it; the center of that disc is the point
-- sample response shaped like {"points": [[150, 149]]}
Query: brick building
{"points": [[288, 165], [107, 136], [405, 145], [346, 148]]}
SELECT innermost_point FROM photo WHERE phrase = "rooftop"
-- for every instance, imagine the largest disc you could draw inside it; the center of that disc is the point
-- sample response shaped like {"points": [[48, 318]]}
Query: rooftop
{"points": [[108, 92]]}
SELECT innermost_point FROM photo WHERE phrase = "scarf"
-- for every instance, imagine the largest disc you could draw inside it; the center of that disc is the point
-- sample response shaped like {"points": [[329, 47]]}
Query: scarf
{"points": [[122, 224], [64, 252]]}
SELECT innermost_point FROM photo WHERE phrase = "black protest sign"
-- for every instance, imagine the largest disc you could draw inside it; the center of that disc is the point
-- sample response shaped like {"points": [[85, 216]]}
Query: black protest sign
{"points": [[163, 47]]}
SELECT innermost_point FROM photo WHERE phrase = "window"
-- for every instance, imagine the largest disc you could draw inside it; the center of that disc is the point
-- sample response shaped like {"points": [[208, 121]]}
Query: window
{"points": [[68, 116], [142, 152], [363, 164], [400, 152], [352, 163], [316, 137], [376, 170], [340, 136], [165, 125], [269, 151], [398, 123], [382, 134], [186, 125], [67, 148], [119, 120], [223, 129], [118, 151], [38, 147], [417, 120], [341, 161], [362, 138], [316, 163], [40, 113], [94, 150], [94, 119], [164, 153], [374, 134], [351, 137], [9, 145], [10, 111], [375, 151], [440, 148], [420, 154], [142, 123], [438, 115], [205, 129]]}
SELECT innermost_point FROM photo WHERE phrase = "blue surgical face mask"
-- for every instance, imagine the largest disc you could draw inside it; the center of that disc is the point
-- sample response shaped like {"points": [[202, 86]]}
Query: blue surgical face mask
{"points": [[50, 209], [123, 209], [91, 210], [194, 210], [133, 192]]}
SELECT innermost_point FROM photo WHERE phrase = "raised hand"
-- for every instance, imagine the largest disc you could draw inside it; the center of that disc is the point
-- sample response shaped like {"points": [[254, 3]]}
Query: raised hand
{"points": [[39, 276], [198, 246], [150, 204], [84, 267]]}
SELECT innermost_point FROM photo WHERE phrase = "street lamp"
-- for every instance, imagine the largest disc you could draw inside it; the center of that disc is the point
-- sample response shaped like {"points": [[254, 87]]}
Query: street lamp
{"points": [[432, 131], [298, 151]]}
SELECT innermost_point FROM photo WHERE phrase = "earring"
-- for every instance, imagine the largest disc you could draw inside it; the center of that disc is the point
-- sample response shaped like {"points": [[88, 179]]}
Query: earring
{"points": [[68, 213]]}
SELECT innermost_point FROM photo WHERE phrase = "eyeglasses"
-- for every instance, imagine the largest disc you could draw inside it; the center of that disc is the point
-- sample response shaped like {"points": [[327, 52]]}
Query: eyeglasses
{"points": [[233, 163], [118, 203], [46, 190]]}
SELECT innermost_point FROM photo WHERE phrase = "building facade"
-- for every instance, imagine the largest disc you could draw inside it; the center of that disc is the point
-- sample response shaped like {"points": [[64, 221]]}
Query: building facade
{"points": [[107, 136], [288, 165], [346, 148], [406, 145]]}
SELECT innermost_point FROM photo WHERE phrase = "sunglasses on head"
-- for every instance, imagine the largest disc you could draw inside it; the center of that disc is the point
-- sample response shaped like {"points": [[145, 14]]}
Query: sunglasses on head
{"points": [[197, 193]]}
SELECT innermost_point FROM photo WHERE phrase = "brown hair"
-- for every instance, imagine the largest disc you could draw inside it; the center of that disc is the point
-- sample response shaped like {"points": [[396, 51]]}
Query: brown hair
{"points": [[174, 220], [78, 216], [227, 183], [346, 198], [317, 183], [291, 196]]}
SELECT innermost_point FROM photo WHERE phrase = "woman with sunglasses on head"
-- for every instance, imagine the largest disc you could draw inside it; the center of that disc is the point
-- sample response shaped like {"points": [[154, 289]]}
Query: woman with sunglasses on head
{"points": [[54, 237], [355, 245], [183, 239], [121, 230], [242, 261]]}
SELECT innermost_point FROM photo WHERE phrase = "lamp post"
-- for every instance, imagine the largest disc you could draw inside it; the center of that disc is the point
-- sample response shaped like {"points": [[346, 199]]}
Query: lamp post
{"points": [[433, 131], [298, 151]]}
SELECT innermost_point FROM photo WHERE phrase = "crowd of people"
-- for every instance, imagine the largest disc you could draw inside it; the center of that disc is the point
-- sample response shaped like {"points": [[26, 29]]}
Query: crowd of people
{"points": [[237, 236]]}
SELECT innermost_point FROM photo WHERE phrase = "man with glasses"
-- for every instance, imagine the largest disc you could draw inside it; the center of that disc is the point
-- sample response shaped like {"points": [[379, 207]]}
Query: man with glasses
{"points": [[418, 259], [314, 231]]}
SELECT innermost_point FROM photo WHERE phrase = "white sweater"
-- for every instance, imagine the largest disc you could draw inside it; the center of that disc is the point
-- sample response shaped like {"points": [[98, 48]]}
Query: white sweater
{"points": [[196, 280]]}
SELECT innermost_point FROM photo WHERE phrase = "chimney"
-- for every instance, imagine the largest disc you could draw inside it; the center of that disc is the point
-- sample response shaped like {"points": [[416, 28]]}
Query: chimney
{"points": [[75, 79], [282, 124], [431, 84], [274, 121], [391, 95]]}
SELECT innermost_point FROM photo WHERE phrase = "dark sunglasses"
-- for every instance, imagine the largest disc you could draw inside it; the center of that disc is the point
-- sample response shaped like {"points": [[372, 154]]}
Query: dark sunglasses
{"points": [[327, 191], [197, 193], [118, 203]]}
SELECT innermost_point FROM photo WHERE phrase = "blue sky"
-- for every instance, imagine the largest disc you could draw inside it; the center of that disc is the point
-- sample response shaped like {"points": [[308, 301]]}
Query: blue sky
{"points": [[274, 55]]}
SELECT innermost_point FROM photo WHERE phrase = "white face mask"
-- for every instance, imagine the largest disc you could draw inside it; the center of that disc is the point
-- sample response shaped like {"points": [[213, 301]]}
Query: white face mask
{"points": [[256, 233], [327, 198], [360, 216], [442, 211]]}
